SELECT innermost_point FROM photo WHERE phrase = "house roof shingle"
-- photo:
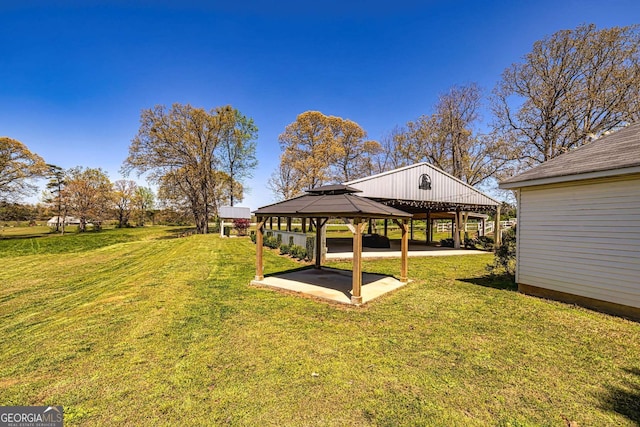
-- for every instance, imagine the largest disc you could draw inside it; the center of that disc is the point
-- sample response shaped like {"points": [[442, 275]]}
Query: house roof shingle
{"points": [[616, 152]]}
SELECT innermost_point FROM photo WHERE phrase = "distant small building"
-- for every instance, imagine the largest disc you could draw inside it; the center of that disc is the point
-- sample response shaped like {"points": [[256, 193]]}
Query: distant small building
{"points": [[234, 212], [578, 233], [67, 220], [230, 213]]}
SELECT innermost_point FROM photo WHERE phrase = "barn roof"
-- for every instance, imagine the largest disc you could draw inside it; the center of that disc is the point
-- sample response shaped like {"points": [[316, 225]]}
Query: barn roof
{"points": [[617, 153], [331, 201], [404, 188]]}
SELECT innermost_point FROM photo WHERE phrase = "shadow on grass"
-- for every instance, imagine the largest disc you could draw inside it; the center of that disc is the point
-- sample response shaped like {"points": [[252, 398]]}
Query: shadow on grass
{"points": [[26, 236], [55, 243], [625, 400], [177, 232], [495, 281]]}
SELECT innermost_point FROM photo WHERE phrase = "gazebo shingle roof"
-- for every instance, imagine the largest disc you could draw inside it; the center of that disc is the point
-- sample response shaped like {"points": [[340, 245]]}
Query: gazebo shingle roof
{"points": [[331, 201]]}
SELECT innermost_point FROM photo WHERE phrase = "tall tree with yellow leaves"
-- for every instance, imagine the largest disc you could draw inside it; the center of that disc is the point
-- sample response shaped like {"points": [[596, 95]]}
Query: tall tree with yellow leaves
{"points": [[17, 166], [319, 149]]}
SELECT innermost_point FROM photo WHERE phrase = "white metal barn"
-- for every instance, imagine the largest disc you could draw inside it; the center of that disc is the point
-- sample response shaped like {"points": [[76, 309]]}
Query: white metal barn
{"points": [[578, 235], [427, 193]]}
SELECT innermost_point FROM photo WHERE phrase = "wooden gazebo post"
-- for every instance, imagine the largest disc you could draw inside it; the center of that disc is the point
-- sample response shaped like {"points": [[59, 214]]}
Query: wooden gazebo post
{"points": [[356, 291], [404, 269], [260, 221], [404, 248], [318, 249]]}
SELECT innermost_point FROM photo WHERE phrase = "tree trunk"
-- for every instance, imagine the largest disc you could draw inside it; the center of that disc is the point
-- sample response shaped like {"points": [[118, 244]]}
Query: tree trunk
{"points": [[64, 217]]}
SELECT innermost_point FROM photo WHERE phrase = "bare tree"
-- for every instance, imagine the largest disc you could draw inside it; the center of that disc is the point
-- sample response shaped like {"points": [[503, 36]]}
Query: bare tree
{"points": [[284, 182], [89, 195], [124, 192], [237, 149], [573, 86], [392, 153], [448, 138], [143, 203], [179, 146]]}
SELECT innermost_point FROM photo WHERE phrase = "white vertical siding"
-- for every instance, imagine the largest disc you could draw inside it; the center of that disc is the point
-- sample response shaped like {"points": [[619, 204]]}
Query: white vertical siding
{"points": [[582, 238], [402, 184]]}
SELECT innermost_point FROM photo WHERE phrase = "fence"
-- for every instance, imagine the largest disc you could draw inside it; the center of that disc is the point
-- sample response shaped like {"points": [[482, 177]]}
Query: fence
{"points": [[489, 226], [300, 239]]}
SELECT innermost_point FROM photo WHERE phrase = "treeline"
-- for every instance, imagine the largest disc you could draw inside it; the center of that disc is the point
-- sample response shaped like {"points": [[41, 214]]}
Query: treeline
{"points": [[89, 196], [39, 213], [197, 158]]}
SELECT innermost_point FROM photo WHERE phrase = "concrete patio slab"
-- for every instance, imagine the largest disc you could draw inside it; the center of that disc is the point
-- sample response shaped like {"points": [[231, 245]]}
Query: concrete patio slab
{"points": [[396, 254], [330, 284], [341, 248]]}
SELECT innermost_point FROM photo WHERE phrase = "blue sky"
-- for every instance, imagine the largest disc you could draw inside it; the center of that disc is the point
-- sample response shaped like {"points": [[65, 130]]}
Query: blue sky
{"points": [[74, 75]]}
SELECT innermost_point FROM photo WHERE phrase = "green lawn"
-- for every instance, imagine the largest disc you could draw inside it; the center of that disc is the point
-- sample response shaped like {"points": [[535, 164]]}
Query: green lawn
{"points": [[139, 327]]}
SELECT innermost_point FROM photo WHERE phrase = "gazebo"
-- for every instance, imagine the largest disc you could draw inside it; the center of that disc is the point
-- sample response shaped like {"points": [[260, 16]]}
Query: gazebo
{"points": [[335, 201]]}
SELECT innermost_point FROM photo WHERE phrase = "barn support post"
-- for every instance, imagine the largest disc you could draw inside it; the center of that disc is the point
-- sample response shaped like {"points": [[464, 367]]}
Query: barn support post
{"points": [[465, 222], [386, 221], [319, 247], [428, 228], [497, 232], [411, 229], [404, 268], [259, 241], [456, 229], [356, 281]]}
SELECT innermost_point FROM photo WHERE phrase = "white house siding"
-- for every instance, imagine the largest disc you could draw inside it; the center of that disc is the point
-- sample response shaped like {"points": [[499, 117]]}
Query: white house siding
{"points": [[582, 238]]}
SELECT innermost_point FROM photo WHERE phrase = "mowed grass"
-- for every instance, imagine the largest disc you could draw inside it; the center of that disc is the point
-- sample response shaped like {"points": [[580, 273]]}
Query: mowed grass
{"points": [[34, 240], [166, 331]]}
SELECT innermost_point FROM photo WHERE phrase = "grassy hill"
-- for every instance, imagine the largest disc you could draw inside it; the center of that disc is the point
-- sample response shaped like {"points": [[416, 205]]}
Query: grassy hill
{"points": [[143, 327]]}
